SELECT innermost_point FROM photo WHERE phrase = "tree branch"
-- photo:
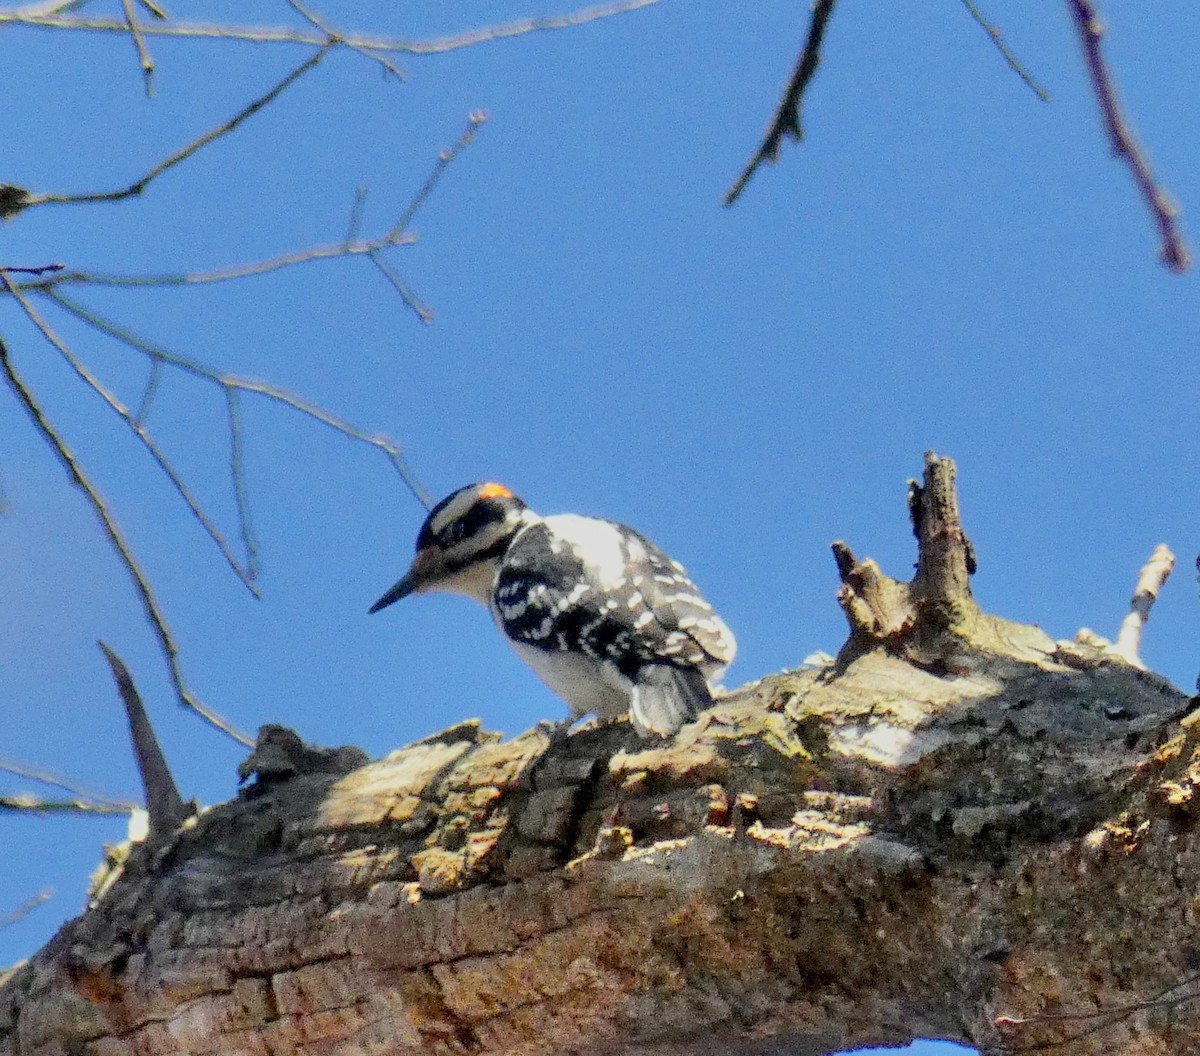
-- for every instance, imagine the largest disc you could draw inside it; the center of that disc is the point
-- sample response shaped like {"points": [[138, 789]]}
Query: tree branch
{"points": [[246, 573], [25, 908], [145, 61], [367, 42], [46, 777], [786, 122], [116, 538], [14, 200], [1014, 63], [1174, 251]]}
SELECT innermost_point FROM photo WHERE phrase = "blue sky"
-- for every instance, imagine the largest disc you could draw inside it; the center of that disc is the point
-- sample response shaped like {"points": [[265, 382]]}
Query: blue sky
{"points": [[945, 263]]}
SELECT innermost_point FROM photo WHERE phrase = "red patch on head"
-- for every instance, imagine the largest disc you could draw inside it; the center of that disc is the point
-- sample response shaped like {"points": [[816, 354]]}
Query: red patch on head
{"points": [[495, 491]]}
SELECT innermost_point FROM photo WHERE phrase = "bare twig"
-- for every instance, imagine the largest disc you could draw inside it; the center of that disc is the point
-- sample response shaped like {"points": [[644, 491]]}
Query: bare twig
{"points": [[44, 9], [25, 908], [139, 185], [422, 311], [153, 8], [37, 805], [116, 538], [47, 777], [285, 35], [786, 122], [357, 207], [44, 269], [250, 385], [164, 804], [245, 573], [336, 36], [231, 274], [1154, 574], [237, 472], [1174, 250], [145, 61], [1014, 63], [445, 158]]}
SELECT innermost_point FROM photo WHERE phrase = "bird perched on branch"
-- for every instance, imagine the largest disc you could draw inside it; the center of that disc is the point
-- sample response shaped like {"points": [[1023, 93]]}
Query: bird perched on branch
{"points": [[605, 618]]}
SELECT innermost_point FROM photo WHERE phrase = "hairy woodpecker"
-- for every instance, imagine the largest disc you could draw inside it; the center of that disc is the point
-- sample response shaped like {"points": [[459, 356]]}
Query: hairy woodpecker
{"points": [[607, 620]]}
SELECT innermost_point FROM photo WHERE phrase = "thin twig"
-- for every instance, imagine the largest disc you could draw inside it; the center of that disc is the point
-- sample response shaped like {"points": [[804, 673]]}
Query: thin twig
{"points": [[286, 35], [44, 9], [44, 269], [164, 804], [139, 185], [237, 471], [786, 121], [139, 45], [202, 278], [259, 388], [37, 805], [445, 158], [245, 573], [337, 37], [116, 538], [47, 777], [1153, 575], [357, 207], [1174, 250], [153, 8], [1014, 63], [422, 311], [25, 908], [153, 378]]}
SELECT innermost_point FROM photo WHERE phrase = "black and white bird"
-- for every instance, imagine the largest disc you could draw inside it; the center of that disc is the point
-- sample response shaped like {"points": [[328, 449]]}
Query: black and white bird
{"points": [[605, 618]]}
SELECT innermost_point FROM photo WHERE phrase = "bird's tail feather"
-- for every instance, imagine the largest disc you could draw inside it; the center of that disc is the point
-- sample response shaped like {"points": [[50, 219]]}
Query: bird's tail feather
{"points": [[665, 697]]}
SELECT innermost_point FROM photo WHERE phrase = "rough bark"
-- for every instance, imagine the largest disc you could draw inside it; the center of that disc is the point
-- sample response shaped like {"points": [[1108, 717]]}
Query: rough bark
{"points": [[961, 829]]}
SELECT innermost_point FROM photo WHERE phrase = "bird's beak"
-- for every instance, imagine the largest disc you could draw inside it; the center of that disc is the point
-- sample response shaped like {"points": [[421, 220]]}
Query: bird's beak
{"points": [[425, 569]]}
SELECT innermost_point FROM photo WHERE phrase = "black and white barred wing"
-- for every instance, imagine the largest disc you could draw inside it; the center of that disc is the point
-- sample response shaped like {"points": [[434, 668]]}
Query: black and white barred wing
{"points": [[690, 630]]}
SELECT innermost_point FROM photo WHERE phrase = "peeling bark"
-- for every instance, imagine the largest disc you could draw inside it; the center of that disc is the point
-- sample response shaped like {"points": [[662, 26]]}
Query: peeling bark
{"points": [[961, 829]]}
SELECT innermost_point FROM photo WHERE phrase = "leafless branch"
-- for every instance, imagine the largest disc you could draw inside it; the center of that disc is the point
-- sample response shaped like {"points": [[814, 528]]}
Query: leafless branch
{"points": [[202, 278], [421, 310], [336, 36], [16, 203], [237, 474], [99, 504], [445, 158], [25, 908], [286, 35], [786, 122], [249, 385], [357, 207], [1014, 63], [44, 269], [145, 61], [1154, 574], [47, 777], [245, 572], [164, 804], [1174, 250], [36, 805], [153, 8]]}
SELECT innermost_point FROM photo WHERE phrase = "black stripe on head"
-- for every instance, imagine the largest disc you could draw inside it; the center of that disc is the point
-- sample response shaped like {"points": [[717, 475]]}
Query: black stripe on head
{"points": [[466, 513]]}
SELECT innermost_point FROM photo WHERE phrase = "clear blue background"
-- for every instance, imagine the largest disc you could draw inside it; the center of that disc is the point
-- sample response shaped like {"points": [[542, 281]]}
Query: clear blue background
{"points": [[946, 263]]}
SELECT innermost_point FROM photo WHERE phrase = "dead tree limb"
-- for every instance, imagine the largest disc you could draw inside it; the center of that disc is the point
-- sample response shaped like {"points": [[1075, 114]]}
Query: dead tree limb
{"points": [[997, 849]]}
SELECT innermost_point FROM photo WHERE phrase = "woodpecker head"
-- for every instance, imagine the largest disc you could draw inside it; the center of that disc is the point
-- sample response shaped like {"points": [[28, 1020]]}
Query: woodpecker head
{"points": [[461, 542]]}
